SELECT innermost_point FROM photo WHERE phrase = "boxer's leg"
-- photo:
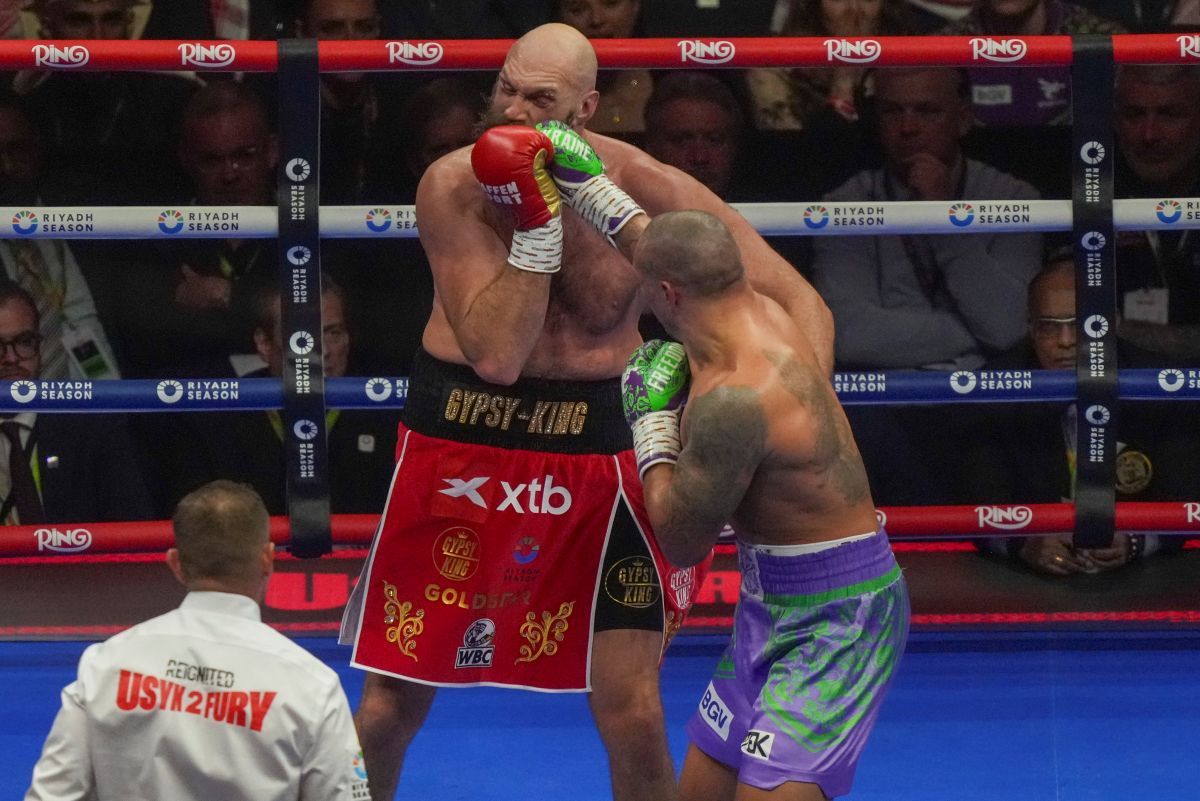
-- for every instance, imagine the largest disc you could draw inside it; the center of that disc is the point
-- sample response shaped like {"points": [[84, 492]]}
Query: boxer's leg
{"points": [[629, 715], [389, 716]]}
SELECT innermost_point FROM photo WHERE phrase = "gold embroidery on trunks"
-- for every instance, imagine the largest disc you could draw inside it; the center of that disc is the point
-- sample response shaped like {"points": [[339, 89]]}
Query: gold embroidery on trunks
{"points": [[456, 553], [633, 582], [407, 627], [469, 407], [544, 637]]}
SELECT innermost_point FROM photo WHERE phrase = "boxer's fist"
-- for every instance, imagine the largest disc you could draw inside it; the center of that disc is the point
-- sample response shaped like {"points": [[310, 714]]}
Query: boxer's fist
{"points": [[510, 162], [654, 389], [575, 160], [579, 173]]}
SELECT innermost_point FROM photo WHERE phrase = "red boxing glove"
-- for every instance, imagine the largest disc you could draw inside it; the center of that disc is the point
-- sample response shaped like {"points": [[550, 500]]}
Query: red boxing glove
{"points": [[510, 163]]}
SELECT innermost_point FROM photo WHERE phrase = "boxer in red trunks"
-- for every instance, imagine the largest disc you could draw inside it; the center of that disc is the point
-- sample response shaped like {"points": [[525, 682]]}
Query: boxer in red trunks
{"points": [[514, 401]]}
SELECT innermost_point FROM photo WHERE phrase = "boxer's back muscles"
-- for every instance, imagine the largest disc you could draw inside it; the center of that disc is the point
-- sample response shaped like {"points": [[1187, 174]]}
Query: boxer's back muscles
{"points": [[776, 412]]}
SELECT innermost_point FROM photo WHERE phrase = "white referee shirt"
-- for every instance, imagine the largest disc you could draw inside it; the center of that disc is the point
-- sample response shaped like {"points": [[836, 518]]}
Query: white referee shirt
{"points": [[205, 702]]}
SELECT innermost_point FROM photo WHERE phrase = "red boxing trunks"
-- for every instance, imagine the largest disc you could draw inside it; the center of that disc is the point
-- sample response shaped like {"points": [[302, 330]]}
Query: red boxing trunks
{"points": [[514, 529]]}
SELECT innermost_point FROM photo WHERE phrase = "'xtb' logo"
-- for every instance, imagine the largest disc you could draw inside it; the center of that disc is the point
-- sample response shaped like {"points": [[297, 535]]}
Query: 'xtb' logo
{"points": [[466, 489], [538, 496]]}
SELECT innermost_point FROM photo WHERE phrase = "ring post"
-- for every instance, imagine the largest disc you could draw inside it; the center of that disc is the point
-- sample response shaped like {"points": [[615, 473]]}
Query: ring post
{"points": [[1094, 236], [304, 425]]}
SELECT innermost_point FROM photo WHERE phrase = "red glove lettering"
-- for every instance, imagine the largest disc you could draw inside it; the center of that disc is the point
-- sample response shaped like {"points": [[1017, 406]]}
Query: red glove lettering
{"points": [[510, 163]]}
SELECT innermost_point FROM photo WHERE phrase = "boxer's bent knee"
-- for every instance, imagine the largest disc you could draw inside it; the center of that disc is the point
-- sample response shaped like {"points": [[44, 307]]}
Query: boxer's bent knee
{"points": [[392, 705]]}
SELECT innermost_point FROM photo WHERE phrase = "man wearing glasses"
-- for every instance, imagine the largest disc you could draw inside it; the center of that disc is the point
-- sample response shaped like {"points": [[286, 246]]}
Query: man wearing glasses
{"points": [[187, 304], [57, 468], [1026, 454]]}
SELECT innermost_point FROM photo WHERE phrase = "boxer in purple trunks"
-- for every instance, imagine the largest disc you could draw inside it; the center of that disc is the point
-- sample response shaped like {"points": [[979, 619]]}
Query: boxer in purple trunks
{"points": [[739, 424]]}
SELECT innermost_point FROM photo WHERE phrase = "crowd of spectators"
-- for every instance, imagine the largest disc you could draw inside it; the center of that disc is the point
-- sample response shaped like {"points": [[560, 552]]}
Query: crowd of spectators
{"points": [[196, 307]]}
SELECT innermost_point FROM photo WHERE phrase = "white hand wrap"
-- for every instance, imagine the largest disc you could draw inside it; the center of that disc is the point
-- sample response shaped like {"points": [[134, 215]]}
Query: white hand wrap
{"points": [[538, 250], [606, 206], [656, 439]]}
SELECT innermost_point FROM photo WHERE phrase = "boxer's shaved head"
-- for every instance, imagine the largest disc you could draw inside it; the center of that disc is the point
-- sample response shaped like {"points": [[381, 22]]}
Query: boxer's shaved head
{"points": [[548, 74], [692, 250], [559, 47]]}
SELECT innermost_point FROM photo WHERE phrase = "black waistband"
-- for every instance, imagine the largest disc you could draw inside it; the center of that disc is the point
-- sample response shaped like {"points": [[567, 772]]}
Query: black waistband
{"points": [[450, 401]]}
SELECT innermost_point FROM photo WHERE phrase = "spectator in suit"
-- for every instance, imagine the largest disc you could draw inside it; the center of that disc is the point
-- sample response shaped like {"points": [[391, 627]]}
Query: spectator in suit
{"points": [[187, 305], [1157, 126], [694, 122], [74, 341], [922, 302], [1025, 453], [248, 446], [60, 467]]}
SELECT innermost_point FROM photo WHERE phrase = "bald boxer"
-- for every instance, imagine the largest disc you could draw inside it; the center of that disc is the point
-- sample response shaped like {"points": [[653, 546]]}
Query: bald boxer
{"points": [[514, 549], [764, 446]]}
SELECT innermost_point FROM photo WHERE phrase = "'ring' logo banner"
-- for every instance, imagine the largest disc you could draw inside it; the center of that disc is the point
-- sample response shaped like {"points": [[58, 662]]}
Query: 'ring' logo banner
{"points": [[719, 52]]}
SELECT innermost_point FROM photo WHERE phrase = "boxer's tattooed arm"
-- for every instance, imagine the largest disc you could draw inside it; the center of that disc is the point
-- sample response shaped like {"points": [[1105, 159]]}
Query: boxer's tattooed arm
{"points": [[726, 440]]}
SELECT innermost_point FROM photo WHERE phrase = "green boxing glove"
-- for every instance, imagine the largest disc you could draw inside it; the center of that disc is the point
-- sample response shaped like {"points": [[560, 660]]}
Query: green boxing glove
{"points": [[579, 173], [654, 388]]}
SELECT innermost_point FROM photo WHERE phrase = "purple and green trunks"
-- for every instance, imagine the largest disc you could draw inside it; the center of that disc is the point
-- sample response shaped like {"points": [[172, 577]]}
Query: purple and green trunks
{"points": [[816, 640]]}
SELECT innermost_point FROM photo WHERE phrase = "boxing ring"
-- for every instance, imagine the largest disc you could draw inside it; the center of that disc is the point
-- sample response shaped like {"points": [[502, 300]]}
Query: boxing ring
{"points": [[1022, 692]]}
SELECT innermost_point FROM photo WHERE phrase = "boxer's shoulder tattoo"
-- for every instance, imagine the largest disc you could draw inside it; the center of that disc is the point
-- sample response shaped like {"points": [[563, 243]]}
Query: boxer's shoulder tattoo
{"points": [[726, 439], [834, 448]]}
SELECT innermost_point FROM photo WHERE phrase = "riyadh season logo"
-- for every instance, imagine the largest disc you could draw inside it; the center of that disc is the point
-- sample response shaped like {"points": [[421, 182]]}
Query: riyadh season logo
{"points": [[1093, 241], [23, 391], [816, 217], [170, 221], [1092, 152], [302, 343], [25, 222], [297, 170], [962, 215], [379, 220], [963, 381], [1096, 326], [378, 389], [299, 255], [359, 766], [861, 52], [1097, 415], [1171, 380], [169, 391], [526, 550], [1168, 211], [719, 52], [305, 430]]}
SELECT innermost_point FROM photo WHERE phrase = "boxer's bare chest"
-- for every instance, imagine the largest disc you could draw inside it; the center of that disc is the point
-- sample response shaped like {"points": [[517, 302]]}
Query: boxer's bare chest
{"points": [[596, 287]]}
